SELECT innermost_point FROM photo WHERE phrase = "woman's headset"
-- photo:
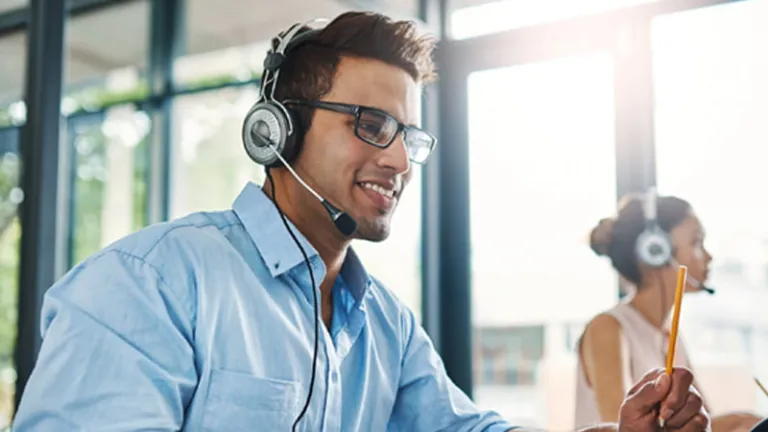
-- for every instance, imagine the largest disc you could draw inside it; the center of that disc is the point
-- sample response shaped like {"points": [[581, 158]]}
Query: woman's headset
{"points": [[654, 245]]}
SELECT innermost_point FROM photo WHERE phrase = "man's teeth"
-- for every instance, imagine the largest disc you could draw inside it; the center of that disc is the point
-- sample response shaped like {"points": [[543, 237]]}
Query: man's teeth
{"points": [[389, 193]]}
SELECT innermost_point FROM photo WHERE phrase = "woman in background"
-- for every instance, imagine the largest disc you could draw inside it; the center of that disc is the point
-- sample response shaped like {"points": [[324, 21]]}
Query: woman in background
{"points": [[620, 344]]}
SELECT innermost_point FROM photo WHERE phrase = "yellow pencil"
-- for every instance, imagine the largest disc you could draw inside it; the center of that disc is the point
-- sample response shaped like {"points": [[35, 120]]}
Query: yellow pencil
{"points": [[757, 381], [682, 275]]}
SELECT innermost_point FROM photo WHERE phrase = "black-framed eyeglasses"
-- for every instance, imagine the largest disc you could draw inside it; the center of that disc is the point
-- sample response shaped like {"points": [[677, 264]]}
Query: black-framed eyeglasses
{"points": [[379, 129]]}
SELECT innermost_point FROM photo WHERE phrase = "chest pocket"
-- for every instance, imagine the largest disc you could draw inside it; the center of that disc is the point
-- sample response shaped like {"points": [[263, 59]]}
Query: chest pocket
{"points": [[242, 402]]}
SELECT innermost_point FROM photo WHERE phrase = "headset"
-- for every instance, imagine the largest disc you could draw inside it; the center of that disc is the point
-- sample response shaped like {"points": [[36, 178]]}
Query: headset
{"points": [[271, 132], [272, 137], [268, 118], [654, 245]]}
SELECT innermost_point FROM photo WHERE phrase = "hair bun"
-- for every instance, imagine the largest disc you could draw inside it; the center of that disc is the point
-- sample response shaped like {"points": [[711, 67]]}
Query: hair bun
{"points": [[601, 236]]}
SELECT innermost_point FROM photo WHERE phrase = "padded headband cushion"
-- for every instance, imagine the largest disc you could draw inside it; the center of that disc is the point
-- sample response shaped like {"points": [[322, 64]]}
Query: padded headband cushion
{"points": [[274, 60], [302, 37]]}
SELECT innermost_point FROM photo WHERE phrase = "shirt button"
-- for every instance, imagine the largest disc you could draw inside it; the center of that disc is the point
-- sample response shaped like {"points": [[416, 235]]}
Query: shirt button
{"points": [[334, 376]]}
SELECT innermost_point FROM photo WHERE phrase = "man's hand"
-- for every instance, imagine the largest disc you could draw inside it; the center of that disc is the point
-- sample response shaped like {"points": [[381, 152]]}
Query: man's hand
{"points": [[673, 398]]}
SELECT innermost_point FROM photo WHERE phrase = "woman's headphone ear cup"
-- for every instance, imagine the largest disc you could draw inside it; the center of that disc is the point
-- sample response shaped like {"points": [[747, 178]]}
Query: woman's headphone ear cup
{"points": [[654, 248]]}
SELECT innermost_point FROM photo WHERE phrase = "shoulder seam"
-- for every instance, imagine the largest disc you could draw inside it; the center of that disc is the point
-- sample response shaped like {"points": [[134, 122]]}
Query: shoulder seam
{"points": [[154, 245], [143, 261]]}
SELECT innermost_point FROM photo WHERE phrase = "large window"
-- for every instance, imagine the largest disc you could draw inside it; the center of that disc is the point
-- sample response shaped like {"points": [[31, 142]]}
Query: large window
{"points": [[509, 356], [209, 166], [12, 115], [542, 164], [711, 94], [106, 56], [223, 44], [10, 5], [105, 62], [13, 49], [109, 177], [472, 18], [10, 234]]}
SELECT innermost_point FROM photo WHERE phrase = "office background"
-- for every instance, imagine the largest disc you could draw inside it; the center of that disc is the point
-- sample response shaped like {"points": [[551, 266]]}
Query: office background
{"points": [[547, 111]]}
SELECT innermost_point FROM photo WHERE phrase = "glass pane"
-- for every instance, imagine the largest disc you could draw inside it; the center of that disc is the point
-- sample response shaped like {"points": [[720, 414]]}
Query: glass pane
{"points": [[209, 164], [223, 44], [109, 176], [11, 5], [472, 18], [543, 171], [106, 56], [13, 51], [711, 104], [396, 262], [10, 235]]}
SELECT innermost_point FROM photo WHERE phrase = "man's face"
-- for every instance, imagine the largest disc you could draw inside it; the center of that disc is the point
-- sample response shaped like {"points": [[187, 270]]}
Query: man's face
{"points": [[364, 181]]}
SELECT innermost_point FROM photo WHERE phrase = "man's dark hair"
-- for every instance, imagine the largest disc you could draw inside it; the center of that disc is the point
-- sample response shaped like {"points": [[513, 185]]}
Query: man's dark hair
{"points": [[309, 70]]}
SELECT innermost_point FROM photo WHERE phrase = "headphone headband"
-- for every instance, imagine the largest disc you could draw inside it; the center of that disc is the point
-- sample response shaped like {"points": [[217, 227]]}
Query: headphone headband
{"points": [[296, 36], [653, 247], [649, 206], [291, 40], [269, 128]]}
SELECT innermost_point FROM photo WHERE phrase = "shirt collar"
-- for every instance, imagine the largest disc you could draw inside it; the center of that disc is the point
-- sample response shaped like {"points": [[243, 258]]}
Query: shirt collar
{"points": [[354, 274], [264, 225]]}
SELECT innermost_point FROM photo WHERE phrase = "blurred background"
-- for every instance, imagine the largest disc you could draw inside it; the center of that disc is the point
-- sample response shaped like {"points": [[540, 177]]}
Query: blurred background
{"points": [[547, 111]]}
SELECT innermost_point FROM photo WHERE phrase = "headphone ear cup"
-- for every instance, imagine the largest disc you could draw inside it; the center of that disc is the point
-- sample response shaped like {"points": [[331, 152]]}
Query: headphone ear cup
{"points": [[265, 124], [293, 141], [654, 248]]}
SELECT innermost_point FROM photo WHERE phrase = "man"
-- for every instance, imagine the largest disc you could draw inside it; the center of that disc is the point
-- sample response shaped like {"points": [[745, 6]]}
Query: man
{"points": [[208, 322]]}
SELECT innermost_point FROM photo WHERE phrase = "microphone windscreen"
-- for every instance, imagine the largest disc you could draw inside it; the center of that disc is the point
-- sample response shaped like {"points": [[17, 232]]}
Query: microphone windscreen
{"points": [[345, 224]]}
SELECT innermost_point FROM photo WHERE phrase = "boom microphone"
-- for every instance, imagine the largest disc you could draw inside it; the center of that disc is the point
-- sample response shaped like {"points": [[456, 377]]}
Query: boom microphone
{"points": [[343, 222], [695, 282]]}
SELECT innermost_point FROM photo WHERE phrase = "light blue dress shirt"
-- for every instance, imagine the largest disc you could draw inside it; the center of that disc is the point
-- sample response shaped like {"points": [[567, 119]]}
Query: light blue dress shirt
{"points": [[205, 323]]}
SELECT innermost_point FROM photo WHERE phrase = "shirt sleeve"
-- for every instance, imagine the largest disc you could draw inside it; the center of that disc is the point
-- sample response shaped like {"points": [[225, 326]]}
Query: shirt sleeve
{"points": [[116, 352], [427, 399]]}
